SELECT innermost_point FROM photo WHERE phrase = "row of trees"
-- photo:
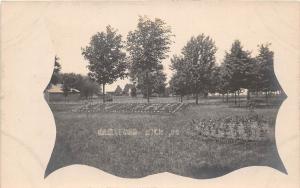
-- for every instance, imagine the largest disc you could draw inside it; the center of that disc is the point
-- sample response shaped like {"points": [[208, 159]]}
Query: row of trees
{"points": [[196, 71]]}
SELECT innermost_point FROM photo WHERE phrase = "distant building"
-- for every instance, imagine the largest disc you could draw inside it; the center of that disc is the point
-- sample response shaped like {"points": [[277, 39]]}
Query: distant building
{"points": [[56, 93]]}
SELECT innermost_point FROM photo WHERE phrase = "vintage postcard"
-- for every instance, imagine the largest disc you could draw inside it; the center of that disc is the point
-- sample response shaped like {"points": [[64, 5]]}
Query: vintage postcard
{"points": [[113, 94]]}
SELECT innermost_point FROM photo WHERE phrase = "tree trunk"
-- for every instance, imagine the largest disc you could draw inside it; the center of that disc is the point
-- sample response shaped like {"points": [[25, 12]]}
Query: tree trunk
{"points": [[147, 78], [235, 97], [197, 97], [239, 98], [248, 95], [148, 100], [227, 97], [103, 85]]}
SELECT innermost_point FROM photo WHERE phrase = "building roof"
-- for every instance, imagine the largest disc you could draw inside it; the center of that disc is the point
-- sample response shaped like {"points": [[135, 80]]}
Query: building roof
{"points": [[55, 89], [58, 89]]}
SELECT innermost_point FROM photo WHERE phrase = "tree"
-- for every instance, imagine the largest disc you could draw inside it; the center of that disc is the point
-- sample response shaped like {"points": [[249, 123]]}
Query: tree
{"points": [[167, 91], [107, 61], [126, 89], [70, 81], [118, 90], [177, 85], [266, 76], [159, 85], [154, 83], [239, 68], [88, 87], [214, 80], [180, 80], [56, 76], [223, 81], [57, 66], [199, 54], [133, 91], [147, 46]]}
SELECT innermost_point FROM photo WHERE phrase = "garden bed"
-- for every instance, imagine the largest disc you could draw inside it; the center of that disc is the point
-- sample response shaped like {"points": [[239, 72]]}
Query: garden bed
{"points": [[159, 108]]}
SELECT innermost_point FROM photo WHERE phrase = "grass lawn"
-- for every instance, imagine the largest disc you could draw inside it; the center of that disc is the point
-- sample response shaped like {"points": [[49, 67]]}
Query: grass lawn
{"points": [[159, 142]]}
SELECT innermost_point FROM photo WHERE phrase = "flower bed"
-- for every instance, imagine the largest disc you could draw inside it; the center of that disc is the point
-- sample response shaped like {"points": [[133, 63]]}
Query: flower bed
{"points": [[168, 108], [249, 128]]}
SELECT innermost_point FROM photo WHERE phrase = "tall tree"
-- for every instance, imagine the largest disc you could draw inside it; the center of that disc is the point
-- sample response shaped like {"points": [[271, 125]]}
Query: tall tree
{"points": [[224, 81], [107, 61], [239, 68], [56, 76], [267, 78], [199, 53], [57, 66], [148, 45]]}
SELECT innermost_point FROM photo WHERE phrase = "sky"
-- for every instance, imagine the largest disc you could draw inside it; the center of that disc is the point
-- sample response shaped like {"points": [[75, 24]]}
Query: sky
{"points": [[71, 26]]}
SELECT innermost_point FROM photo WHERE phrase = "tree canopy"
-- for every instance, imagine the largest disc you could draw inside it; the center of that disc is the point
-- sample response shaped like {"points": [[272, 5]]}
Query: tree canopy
{"points": [[55, 78], [147, 46], [106, 58], [238, 64], [196, 65], [179, 83]]}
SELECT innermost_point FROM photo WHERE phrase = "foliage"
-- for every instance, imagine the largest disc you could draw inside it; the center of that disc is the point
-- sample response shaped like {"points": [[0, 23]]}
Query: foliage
{"points": [[126, 89], [107, 61], [215, 79], [238, 66], [195, 68], [118, 90], [133, 91], [88, 88], [199, 53], [195, 71], [70, 81], [147, 47], [266, 75], [180, 80], [56, 76]]}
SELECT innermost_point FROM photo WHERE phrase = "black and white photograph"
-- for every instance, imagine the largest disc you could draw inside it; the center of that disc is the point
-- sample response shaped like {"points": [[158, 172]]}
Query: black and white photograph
{"points": [[136, 89], [152, 98]]}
